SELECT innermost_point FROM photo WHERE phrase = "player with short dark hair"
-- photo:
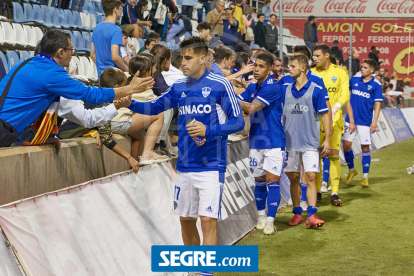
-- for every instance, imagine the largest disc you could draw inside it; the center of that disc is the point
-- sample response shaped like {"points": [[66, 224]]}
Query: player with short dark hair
{"points": [[262, 101], [366, 95]]}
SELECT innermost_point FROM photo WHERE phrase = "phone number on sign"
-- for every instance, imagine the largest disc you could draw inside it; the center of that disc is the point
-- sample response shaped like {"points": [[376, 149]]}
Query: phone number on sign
{"points": [[366, 50]]}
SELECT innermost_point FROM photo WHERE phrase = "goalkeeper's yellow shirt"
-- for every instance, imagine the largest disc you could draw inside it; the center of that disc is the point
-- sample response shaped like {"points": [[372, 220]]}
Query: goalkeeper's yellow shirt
{"points": [[336, 81]]}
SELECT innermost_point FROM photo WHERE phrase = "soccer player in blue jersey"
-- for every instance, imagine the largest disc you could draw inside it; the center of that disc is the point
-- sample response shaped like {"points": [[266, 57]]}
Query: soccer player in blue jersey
{"points": [[366, 95], [303, 104], [211, 101], [262, 100]]}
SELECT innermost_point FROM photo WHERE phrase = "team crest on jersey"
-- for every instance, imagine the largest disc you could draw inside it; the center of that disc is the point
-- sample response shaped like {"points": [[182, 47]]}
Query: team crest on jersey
{"points": [[369, 87], [334, 79], [175, 205], [206, 91]]}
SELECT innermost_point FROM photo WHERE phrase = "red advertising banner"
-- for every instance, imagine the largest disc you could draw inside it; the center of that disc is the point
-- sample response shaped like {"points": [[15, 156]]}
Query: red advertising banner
{"points": [[346, 8], [393, 43]]}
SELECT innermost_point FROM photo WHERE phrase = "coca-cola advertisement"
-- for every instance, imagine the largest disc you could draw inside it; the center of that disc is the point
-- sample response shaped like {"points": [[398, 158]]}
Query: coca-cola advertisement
{"points": [[346, 8], [393, 42]]}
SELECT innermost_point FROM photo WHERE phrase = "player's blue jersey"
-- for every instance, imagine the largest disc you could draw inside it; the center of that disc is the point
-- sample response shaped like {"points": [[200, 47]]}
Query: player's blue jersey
{"points": [[266, 129], [210, 100], [363, 97], [311, 76], [318, 97]]}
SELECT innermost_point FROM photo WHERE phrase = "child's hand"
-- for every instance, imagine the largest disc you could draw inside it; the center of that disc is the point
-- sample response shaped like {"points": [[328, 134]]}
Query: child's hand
{"points": [[132, 47], [98, 141], [123, 102], [133, 163]]}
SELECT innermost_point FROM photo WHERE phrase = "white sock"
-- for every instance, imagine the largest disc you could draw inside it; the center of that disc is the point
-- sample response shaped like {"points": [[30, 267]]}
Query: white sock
{"points": [[261, 213], [351, 170], [270, 219], [334, 194], [324, 183], [365, 175]]}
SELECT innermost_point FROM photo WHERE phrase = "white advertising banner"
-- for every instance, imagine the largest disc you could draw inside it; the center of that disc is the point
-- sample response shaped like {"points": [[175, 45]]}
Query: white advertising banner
{"points": [[346, 8], [409, 117], [383, 136]]}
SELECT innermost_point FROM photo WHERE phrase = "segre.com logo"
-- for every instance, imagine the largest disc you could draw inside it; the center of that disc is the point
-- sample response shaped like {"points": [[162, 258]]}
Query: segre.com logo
{"points": [[221, 258]]}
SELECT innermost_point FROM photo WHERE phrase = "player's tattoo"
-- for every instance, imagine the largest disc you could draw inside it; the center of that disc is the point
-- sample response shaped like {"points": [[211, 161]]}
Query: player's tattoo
{"points": [[253, 107]]}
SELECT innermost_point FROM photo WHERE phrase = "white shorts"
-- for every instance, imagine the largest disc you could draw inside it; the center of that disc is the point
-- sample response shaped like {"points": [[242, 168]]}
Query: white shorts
{"points": [[310, 161], [198, 194], [266, 160], [364, 133], [121, 127]]}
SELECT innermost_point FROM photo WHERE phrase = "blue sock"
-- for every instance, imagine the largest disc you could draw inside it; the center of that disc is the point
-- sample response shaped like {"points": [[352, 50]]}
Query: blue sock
{"points": [[297, 210], [273, 198], [304, 188], [366, 161], [260, 194], [206, 273], [326, 166], [312, 210], [349, 158]]}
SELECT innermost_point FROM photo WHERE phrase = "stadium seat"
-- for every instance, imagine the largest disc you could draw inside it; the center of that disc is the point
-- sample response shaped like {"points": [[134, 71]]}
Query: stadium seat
{"points": [[12, 58], [70, 19], [87, 67], [63, 19], [92, 22], [4, 61], [90, 7], [98, 8], [22, 17], [19, 35], [136, 44], [55, 17], [141, 42], [30, 36], [73, 38], [3, 72], [47, 17], [38, 14], [73, 67], [94, 69], [38, 34], [78, 19], [32, 53], [8, 32], [24, 55], [86, 22], [1, 36], [80, 42], [87, 38], [98, 19]]}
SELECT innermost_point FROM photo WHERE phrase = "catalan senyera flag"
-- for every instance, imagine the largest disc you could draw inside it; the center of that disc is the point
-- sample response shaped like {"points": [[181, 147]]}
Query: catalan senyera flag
{"points": [[45, 125]]}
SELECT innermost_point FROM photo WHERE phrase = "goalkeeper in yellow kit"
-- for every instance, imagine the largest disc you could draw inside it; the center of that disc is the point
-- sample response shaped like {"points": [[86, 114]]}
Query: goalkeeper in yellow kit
{"points": [[337, 83]]}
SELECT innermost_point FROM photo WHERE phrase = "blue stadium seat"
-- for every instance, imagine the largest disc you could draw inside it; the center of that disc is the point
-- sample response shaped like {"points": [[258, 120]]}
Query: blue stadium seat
{"points": [[24, 55], [98, 19], [55, 17], [63, 19], [163, 43], [78, 20], [141, 43], [4, 61], [32, 53], [87, 38], [80, 42], [98, 8], [47, 17], [71, 18], [3, 72], [38, 13], [72, 38], [12, 58], [22, 17], [90, 7]]}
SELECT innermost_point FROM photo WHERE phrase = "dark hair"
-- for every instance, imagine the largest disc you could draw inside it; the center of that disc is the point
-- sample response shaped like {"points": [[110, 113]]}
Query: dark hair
{"points": [[124, 33], [278, 59], [148, 41], [111, 76], [238, 1], [176, 58], [386, 79], [379, 75], [153, 35], [400, 84], [141, 3], [301, 59], [303, 50], [221, 52], [311, 17], [322, 47], [373, 47], [340, 61], [372, 63], [110, 5], [268, 58], [332, 59], [198, 44], [259, 51], [203, 26], [53, 40], [260, 14], [138, 63], [335, 42], [386, 70], [151, 57], [161, 53], [273, 15], [241, 57]]}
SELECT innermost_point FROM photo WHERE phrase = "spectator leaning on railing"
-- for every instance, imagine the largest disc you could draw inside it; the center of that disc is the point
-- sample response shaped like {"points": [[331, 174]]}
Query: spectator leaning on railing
{"points": [[43, 80]]}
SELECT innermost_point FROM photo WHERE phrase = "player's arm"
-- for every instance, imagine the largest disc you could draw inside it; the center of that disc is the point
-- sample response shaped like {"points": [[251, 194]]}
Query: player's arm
{"points": [[321, 105], [165, 102], [377, 108], [344, 95], [264, 98], [250, 108], [247, 69], [350, 116]]}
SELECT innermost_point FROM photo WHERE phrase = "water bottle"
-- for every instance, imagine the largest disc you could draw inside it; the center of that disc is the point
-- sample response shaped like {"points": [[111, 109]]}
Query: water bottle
{"points": [[197, 139]]}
